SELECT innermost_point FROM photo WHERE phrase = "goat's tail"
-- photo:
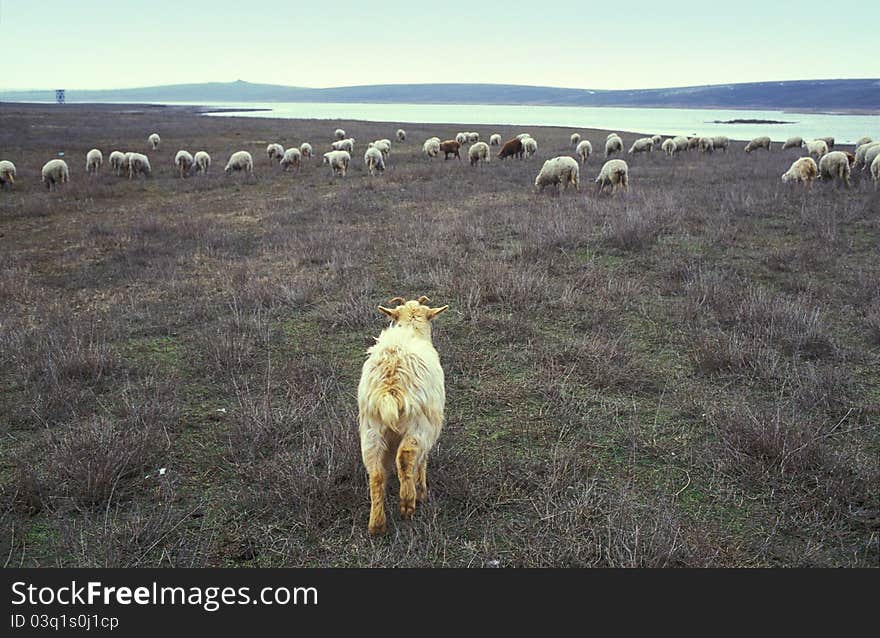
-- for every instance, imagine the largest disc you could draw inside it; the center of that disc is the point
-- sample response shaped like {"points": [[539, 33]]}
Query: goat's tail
{"points": [[389, 410]]}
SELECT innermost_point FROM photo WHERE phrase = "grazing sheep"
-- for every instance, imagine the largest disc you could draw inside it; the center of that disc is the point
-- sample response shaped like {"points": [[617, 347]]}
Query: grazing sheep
{"points": [[292, 158], [401, 399], [523, 136], [275, 152], [94, 160], [875, 171], [7, 174], [758, 142], [139, 164], [861, 151], [871, 154], [706, 145], [431, 147], [450, 147], [610, 135], [720, 143], [693, 142], [817, 148], [202, 161], [613, 145], [558, 170], [383, 145], [184, 162], [530, 146], [681, 143], [306, 149], [54, 173], [401, 135], [641, 145], [126, 162], [473, 138], [864, 140], [793, 142], [835, 165], [374, 160], [338, 161], [829, 141], [117, 162], [669, 147], [850, 158], [575, 139], [154, 141], [511, 147], [479, 152], [584, 150], [339, 134], [461, 138], [803, 170], [344, 145], [495, 139], [657, 139], [240, 161], [614, 173]]}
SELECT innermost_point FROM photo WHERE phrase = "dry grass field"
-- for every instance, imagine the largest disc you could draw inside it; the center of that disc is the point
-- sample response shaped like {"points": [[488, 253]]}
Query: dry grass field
{"points": [[685, 375]]}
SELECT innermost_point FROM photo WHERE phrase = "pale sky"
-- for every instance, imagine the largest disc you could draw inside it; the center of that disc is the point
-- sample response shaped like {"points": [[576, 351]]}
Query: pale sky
{"points": [[617, 44]]}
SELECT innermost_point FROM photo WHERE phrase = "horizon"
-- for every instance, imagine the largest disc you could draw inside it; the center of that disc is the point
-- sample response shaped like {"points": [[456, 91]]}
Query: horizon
{"points": [[97, 44]]}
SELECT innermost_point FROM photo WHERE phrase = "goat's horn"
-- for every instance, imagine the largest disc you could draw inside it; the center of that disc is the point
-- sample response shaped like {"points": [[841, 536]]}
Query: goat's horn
{"points": [[423, 299], [398, 300]]}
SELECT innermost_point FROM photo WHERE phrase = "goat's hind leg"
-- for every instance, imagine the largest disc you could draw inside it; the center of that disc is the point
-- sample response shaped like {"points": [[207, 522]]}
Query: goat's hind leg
{"points": [[422, 481], [407, 456], [377, 468]]}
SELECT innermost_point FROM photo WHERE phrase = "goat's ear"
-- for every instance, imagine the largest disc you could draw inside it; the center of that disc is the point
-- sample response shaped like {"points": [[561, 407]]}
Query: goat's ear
{"points": [[391, 312], [433, 312]]}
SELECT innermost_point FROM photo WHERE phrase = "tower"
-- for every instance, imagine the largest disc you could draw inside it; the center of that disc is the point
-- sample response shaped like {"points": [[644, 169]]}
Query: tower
{"points": [[59, 96]]}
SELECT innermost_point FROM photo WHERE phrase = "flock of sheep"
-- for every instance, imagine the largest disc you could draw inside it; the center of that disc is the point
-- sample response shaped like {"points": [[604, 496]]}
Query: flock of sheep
{"points": [[562, 170]]}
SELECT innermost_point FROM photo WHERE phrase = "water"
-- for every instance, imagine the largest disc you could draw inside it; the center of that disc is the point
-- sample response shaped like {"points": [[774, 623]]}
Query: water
{"points": [[846, 129]]}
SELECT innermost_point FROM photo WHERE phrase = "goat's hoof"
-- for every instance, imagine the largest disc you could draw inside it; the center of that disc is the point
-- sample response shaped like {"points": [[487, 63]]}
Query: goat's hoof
{"points": [[422, 495], [407, 511], [377, 529]]}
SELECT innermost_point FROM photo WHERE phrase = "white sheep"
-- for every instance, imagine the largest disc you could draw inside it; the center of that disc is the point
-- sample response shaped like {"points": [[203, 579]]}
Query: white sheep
{"points": [[681, 143], [558, 170], [803, 170], [139, 164], [707, 145], [835, 166], [641, 145], [758, 142], [461, 138], [720, 143], [184, 161], [431, 147], [338, 161], [861, 151], [383, 145], [875, 171], [401, 399], [584, 150], [669, 146], [693, 142], [871, 154], [614, 173], [154, 141], [55, 172], [495, 139], [473, 137], [613, 144], [658, 140], [575, 139], [306, 149], [817, 148], [344, 145], [292, 158], [94, 160], [275, 152], [401, 135], [202, 162], [7, 174], [793, 142], [339, 134], [374, 160], [829, 141], [530, 146], [610, 135], [117, 162], [523, 136], [479, 152], [864, 140], [240, 161]]}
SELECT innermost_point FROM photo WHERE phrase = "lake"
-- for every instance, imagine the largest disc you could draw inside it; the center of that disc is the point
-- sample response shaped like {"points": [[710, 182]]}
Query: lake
{"points": [[846, 129]]}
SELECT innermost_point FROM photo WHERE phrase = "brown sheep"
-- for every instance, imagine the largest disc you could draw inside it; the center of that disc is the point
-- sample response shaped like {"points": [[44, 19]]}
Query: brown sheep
{"points": [[511, 147], [450, 147]]}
